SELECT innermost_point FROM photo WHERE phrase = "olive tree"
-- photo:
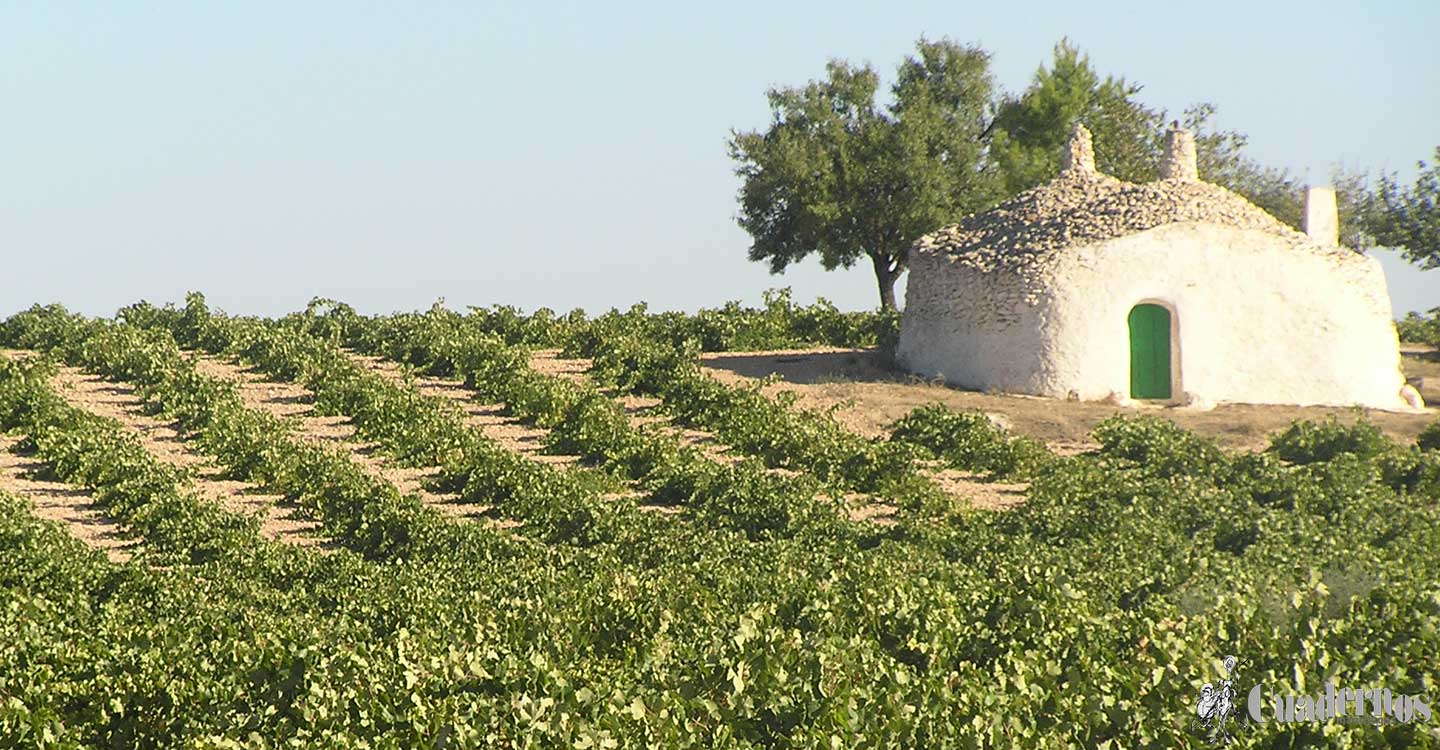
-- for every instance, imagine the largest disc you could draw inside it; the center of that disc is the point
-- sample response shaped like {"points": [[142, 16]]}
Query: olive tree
{"points": [[840, 175]]}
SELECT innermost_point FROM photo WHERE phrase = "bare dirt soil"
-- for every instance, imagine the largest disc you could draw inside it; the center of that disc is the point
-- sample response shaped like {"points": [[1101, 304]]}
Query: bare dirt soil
{"points": [[280, 519], [978, 491], [1421, 365], [71, 506], [489, 419], [868, 397], [644, 411], [296, 404]]}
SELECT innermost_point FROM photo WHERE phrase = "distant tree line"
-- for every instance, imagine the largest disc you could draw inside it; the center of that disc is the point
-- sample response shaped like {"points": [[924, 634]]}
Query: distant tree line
{"points": [[840, 175]]}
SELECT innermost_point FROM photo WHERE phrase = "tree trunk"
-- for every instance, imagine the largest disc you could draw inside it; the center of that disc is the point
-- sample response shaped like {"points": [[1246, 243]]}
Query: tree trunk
{"points": [[886, 272]]}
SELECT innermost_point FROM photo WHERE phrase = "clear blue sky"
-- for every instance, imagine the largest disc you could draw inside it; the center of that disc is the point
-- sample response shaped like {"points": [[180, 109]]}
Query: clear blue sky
{"points": [[567, 154]]}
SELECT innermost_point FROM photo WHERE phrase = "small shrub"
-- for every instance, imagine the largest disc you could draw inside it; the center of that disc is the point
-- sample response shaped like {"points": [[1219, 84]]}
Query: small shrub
{"points": [[1429, 438], [1413, 471], [1420, 329], [1308, 442], [969, 441], [1159, 446]]}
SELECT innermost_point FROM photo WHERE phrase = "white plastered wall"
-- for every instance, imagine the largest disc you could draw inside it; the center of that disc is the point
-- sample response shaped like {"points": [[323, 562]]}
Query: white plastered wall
{"points": [[1254, 320]]}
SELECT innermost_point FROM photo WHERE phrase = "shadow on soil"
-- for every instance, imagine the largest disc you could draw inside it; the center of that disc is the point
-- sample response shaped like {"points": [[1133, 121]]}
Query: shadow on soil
{"points": [[868, 396]]}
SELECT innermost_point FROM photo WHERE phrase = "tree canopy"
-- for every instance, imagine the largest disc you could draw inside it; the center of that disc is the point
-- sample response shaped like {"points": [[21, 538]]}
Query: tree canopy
{"points": [[839, 175], [1030, 129], [842, 176], [1409, 218]]}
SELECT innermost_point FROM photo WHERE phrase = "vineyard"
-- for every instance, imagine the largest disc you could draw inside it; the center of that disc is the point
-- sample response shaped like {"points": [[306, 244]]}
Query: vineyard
{"points": [[491, 529]]}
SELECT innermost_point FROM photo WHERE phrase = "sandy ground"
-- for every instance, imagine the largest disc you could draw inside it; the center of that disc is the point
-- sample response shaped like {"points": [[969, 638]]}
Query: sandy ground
{"points": [[868, 398], [642, 411], [972, 488], [489, 419], [862, 394], [280, 519], [296, 404], [979, 491], [71, 506], [1422, 370]]}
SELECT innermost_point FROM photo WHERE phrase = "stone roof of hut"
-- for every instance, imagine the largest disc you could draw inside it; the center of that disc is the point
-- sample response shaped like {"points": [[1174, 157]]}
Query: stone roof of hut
{"points": [[1083, 206]]}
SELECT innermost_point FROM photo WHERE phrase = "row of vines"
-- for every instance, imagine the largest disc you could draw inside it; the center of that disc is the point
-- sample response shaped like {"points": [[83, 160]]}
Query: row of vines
{"points": [[759, 615]]}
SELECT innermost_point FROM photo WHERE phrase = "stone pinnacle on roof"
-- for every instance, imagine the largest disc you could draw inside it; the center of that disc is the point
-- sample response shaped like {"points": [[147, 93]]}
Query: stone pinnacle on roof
{"points": [[1322, 221], [1079, 154], [1178, 163]]}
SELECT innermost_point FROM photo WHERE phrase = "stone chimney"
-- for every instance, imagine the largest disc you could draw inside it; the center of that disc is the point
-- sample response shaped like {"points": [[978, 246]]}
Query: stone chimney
{"points": [[1179, 160], [1079, 154], [1322, 220]]}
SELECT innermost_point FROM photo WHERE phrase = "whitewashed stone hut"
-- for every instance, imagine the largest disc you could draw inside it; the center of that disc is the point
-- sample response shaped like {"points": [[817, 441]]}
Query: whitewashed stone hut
{"points": [[1174, 291]]}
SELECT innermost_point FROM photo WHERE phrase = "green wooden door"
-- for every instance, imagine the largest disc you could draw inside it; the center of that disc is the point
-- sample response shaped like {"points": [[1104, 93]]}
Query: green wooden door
{"points": [[1149, 352]]}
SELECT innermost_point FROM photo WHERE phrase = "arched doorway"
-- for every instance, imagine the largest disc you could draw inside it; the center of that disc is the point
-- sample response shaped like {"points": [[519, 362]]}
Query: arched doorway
{"points": [[1149, 352]]}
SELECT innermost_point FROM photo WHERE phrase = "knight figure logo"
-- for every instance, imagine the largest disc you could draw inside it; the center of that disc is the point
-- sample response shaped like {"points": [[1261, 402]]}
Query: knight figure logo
{"points": [[1218, 714]]}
